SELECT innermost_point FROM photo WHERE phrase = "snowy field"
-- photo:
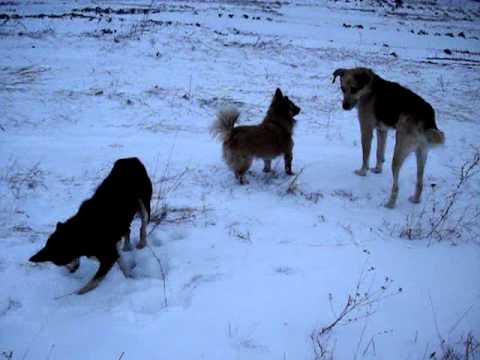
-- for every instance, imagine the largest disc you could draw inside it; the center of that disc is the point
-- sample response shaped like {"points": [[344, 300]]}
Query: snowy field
{"points": [[285, 268]]}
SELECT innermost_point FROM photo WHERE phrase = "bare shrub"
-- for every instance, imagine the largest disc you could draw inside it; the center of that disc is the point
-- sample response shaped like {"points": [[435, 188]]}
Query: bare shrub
{"points": [[345, 194], [293, 184], [452, 216], [10, 305], [164, 186], [138, 28], [6, 355], [294, 188], [19, 180], [163, 274], [467, 348], [40, 34], [361, 303], [19, 78], [242, 235]]}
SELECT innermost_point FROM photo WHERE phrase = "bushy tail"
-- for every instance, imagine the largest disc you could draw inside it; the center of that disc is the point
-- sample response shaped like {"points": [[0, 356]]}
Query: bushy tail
{"points": [[435, 136], [223, 125]]}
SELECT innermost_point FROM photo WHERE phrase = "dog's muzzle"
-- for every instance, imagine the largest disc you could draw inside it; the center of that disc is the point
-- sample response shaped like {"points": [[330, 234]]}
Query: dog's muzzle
{"points": [[347, 105]]}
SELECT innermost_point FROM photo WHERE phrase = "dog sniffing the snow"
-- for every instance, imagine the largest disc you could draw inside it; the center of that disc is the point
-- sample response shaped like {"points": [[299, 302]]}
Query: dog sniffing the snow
{"points": [[101, 222], [384, 105], [267, 140]]}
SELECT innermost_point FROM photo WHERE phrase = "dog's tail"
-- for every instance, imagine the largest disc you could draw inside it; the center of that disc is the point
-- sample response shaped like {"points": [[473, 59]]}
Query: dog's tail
{"points": [[435, 136], [223, 125]]}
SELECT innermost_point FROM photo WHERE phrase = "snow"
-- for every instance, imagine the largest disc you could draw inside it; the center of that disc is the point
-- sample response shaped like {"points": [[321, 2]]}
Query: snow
{"points": [[234, 272]]}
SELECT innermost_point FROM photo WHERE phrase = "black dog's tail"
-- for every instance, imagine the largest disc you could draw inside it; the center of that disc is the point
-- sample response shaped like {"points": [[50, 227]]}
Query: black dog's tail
{"points": [[223, 125]]}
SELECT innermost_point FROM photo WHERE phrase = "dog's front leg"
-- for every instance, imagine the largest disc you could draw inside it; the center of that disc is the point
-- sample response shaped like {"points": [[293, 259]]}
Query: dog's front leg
{"points": [[106, 264], [381, 142], [127, 245], [74, 265], [126, 270], [367, 133], [288, 157], [267, 165]]}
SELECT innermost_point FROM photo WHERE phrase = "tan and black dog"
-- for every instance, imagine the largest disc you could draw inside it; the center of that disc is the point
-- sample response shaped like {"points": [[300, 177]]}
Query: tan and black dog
{"points": [[271, 138], [382, 105]]}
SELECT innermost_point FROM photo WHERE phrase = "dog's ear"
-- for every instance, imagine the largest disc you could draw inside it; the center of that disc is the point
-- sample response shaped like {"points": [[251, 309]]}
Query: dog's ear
{"points": [[338, 72], [363, 78], [278, 94], [41, 256], [59, 225]]}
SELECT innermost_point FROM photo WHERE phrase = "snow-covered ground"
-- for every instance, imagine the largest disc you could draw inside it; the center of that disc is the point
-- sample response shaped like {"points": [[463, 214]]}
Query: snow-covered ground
{"points": [[235, 272]]}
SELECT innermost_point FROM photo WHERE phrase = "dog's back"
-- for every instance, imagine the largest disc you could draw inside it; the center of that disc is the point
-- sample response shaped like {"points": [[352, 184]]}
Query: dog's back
{"points": [[117, 196], [128, 182], [263, 140], [102, 221], [393, 99], [270, 138], [107, 215]]}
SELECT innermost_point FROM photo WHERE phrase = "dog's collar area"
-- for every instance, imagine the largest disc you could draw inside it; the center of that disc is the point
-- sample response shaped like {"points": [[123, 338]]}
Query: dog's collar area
{"points": [[284, 128]]}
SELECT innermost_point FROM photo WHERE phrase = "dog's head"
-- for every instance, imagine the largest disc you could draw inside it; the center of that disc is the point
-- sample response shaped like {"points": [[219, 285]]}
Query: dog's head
{"points": [[283, 106], [355, 83], [57, 249]]}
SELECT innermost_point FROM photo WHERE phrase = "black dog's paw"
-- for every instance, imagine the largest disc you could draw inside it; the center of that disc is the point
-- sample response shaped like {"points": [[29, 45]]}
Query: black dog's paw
{"points": [[73, 266]]}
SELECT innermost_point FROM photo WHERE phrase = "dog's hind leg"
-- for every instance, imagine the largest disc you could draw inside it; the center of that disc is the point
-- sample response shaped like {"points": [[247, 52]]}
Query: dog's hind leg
{"points": [[106, 263], [366, 135], [240, 175], [143, 228], [74, 265], [402, 149], [127, 245], [267, 165], [381, 142], [421, 154], [241, 166]]}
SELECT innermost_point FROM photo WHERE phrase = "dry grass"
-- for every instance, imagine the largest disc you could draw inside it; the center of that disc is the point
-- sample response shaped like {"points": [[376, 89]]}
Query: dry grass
{"points": [[21, 180], [467, 348], [361, 303], [6, 355], [451, 217], [20, 78]]}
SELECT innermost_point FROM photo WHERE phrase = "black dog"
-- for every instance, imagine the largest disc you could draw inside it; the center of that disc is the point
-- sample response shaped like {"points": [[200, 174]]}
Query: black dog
{"points": [[101, 222]]}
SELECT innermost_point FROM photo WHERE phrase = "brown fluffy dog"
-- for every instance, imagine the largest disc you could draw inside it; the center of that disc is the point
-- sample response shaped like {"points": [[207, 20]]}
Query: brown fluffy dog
{"points": [[382, 105], [271, 138]]}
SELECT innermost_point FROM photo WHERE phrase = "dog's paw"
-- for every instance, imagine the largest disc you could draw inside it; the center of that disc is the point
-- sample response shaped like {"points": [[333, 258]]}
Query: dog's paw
{"points": [[290, 173], [73, 266], [72, 269], [361, 172], [390, 205], [376, 170], [129, 274], [140, 246], [267, 170], [414, 200]]}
